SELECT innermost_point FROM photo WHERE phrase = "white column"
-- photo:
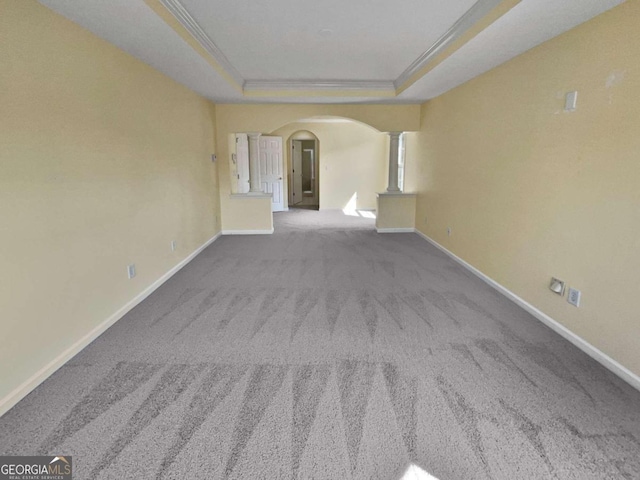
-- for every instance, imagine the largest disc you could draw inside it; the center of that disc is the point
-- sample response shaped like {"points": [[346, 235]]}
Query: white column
{"points": [[394, 143], [254, 163]]}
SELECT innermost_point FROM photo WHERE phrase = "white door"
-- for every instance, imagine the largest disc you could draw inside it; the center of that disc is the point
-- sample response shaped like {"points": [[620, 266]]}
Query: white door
{"points": [[242, 162], [296, 172], [271, 170]]}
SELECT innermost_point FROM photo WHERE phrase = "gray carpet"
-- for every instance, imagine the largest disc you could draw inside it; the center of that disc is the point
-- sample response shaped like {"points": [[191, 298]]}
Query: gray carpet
{"points": [[329, 351]]}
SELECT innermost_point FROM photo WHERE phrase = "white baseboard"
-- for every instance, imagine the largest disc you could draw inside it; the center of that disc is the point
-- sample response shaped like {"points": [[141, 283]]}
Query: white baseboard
{"points": [[247, 232], [45, 372], [396, 230], [599, 356]]}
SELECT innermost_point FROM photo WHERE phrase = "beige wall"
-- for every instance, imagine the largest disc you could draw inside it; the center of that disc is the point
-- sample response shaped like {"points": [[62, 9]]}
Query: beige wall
{"points": [[352, 160], [531, 191], [396, 211], [103, 161], [269, 117], [234, 118], [248, 213]]}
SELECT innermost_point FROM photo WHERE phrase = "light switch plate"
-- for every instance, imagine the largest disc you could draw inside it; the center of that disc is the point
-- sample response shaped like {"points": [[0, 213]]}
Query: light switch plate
{"points": [[571, 101]]}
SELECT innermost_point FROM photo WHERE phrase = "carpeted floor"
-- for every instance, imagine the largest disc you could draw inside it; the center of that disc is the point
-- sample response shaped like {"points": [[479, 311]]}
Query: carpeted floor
{"points": [[329, 351]]}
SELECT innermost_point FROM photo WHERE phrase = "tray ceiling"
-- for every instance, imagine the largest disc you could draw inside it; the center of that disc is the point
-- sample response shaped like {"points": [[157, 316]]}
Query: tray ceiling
{"points": [[333, 39], [330, 51]]}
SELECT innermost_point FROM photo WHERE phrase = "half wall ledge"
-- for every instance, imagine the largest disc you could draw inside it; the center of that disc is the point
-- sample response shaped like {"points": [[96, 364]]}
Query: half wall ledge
{"points": [[248, 213], [396, 212]]}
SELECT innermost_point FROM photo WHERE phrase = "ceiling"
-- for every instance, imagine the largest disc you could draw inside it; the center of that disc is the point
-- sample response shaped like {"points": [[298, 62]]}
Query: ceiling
{"points": [[326, 51]]}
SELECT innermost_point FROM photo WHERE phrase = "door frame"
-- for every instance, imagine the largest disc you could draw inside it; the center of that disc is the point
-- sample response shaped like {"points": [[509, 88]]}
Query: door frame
{"points": [[293, 199], [303, 135]]}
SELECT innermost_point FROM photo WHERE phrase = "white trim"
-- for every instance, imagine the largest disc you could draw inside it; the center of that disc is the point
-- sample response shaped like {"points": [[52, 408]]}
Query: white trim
{"points": [[464, 23], [323, 120], [396, 194], [250, 85], [396, 230], [599, 356], [45, 372], [186, 20], [241, 196], [247, 232]]}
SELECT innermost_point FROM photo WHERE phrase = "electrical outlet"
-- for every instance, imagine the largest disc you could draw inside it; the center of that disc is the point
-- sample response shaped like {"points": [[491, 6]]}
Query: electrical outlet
{"points": [[425, 220], [173, 245], [574, 297], [448, 231], [131, 271]]}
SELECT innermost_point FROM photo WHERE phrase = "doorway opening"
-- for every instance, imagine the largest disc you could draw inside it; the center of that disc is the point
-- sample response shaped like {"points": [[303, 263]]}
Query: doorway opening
{"points": [[304, 188]]}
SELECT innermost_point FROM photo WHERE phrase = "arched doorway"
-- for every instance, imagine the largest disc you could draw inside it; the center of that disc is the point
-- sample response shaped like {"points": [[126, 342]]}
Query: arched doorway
{"points": [[350, 162]]}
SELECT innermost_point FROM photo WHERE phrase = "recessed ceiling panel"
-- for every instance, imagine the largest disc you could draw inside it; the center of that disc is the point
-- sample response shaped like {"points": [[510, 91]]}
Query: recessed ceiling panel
{"points": [[331, 39], [355, 41]]}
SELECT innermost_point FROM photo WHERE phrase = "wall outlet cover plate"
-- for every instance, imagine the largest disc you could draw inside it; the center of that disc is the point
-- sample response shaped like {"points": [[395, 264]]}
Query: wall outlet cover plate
{"points": [[574, 297]]}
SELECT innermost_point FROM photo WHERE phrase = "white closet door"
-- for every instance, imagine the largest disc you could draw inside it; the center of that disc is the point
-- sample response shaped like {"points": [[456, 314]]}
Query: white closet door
{"points": [[242, 162], [271, 170]]}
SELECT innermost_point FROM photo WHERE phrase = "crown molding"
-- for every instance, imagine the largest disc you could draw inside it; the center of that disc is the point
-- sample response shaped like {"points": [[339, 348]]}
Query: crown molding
{"points": [[250, 85], [472, 16], [324, 120], [187, 21], [475, 16]]}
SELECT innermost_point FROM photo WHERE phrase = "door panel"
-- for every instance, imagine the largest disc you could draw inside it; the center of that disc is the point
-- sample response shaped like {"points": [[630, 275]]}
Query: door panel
{"points": [[271, 170]]}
